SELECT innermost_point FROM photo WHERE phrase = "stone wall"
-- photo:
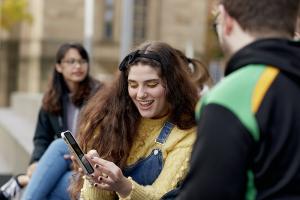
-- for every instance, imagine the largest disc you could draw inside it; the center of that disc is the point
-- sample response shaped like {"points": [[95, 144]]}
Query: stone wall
{"points": [[17, 125]]}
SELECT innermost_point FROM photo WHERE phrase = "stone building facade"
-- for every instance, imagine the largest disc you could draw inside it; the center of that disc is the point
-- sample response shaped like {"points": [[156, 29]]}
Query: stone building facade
{"points": [[27, 53]]}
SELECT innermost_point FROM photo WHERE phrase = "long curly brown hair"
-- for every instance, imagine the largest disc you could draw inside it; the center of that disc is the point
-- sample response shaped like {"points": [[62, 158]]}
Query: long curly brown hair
{"points": [[110, 120], [57, 88]]}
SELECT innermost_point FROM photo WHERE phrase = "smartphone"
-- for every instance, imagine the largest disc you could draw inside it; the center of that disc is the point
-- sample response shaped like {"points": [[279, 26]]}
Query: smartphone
{"points": [[77, 152]]}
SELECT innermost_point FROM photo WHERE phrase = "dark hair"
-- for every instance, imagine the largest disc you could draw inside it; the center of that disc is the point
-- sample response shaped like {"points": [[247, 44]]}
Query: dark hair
{"points": [[57, 88], [263, 17], [111, 119], [197, 69]]}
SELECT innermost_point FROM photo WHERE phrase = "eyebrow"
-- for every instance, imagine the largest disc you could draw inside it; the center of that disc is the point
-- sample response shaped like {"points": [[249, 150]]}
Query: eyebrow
{"points": [[149, 80]]}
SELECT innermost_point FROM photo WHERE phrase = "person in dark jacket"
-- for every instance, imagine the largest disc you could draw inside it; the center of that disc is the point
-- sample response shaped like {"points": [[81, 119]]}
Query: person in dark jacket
{"points": [[70, 87], [248, 144]]}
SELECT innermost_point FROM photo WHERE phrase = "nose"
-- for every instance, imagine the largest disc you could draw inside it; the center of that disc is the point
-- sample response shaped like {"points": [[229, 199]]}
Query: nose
{"points": [[77, 64], [141, 93]]}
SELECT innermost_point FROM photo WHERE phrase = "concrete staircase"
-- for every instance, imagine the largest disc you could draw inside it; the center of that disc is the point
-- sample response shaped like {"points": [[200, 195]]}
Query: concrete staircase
{"points": [[17, 124]]}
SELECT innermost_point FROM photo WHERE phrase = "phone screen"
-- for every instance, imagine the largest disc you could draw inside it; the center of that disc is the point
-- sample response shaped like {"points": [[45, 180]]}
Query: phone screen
{"points": [[70, 140]]}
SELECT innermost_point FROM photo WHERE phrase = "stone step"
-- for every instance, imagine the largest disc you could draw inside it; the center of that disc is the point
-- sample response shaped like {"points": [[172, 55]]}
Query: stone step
{"points": [[17, 124], [4, 178]]}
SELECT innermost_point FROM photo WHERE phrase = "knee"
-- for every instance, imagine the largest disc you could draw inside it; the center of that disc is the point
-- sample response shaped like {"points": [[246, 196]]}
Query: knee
{"points": [[58, 144]]}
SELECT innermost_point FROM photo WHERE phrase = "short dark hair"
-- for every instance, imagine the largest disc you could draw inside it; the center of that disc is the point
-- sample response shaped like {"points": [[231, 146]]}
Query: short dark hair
{"points": [[264, 16]]}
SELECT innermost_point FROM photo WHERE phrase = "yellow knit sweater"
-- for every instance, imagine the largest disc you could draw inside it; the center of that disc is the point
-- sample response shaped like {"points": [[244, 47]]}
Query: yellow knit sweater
{"points": [[176, 153]]}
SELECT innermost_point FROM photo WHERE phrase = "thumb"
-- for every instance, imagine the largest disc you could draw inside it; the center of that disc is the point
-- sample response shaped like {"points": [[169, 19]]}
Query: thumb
{"points": [[67, 156]]}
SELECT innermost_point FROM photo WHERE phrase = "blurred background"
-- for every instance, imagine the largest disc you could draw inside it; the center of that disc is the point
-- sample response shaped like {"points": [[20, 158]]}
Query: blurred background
{"points": [[32, 30]]}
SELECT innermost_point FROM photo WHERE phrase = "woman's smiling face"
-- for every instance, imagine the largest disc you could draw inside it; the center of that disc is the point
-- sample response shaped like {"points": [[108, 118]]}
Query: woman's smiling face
{"points": [[147, 91]]}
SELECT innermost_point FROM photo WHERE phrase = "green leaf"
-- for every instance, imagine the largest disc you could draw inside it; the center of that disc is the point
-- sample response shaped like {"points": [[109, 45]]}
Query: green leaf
{"points": [[13, 12]]}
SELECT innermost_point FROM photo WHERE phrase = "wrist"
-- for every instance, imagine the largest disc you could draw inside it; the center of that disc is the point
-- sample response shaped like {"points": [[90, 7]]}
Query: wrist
{"points": [[126, 188]]}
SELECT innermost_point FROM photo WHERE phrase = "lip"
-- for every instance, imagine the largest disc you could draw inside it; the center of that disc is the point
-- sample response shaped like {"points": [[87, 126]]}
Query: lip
{"points": [[145, 104], [77, 73]]}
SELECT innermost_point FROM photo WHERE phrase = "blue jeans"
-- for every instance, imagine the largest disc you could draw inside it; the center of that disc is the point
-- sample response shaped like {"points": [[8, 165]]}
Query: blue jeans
{"points": [[51, 178]]}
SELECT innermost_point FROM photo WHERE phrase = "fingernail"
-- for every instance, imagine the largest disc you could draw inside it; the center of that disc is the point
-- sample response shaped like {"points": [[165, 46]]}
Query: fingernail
{"points": [[96, 166], [95, 184]]}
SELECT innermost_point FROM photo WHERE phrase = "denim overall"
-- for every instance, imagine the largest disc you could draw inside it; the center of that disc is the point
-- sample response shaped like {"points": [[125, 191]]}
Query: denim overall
{"points": [[146, 170]]}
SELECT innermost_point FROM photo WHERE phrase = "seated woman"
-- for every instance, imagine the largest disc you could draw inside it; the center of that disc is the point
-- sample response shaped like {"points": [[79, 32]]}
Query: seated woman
{"points": [[71, 86], [139, 132]]}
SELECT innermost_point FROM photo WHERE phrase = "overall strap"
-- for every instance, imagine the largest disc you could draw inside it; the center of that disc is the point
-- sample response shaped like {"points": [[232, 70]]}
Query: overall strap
{"points": [[164, 133]]}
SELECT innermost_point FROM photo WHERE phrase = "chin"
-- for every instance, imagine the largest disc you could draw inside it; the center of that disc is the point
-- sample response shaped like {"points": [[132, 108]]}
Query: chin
{"points": [[146, 114], [78, 79]]}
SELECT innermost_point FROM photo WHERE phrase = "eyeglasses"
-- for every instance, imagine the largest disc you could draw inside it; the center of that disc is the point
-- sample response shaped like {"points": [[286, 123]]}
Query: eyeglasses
{"points": [[73, 62]]}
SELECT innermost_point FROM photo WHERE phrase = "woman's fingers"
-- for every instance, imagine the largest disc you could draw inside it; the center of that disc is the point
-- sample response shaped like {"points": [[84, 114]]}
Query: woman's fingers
{"points": [[103, 186], [106, 174], [122, 185], [92, 153], [107, 168], [31, 169], [105, 180], [73, 159], [97, 170], [113, 171], [100, 161], [109, 176], [67, 156]]}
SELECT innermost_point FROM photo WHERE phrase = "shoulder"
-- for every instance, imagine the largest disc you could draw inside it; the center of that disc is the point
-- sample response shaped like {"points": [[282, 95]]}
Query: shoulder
{"points": [[96, 84], [241, 93], [182, 138], [236, 86], [44, 113], [46, 117]]}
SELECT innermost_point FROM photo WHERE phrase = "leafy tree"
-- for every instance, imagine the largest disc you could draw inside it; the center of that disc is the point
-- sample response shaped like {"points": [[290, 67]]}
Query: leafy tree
{"points": [[13, 12]]}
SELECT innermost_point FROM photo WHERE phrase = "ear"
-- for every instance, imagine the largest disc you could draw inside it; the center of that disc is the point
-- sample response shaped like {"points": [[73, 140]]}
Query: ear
{"points": [[297, 36], [58, 68], [228, 21]]}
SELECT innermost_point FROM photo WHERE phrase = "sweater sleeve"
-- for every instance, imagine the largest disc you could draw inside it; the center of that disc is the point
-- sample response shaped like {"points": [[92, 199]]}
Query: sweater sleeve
{"points": [[174, 170]]}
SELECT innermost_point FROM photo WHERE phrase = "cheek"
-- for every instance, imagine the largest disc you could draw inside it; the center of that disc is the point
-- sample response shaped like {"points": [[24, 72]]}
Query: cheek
{"points": [[132, 93], [85, 73], [65, 71], [160, 93], [86, 69]]}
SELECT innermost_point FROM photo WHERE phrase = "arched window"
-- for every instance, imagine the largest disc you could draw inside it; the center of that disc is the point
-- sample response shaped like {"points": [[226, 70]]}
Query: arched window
{"points": [[139, 21], [108, 19]]}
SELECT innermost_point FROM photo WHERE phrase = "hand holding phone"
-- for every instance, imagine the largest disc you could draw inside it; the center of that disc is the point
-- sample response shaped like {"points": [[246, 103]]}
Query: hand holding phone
{"points": [[77, 152]]}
